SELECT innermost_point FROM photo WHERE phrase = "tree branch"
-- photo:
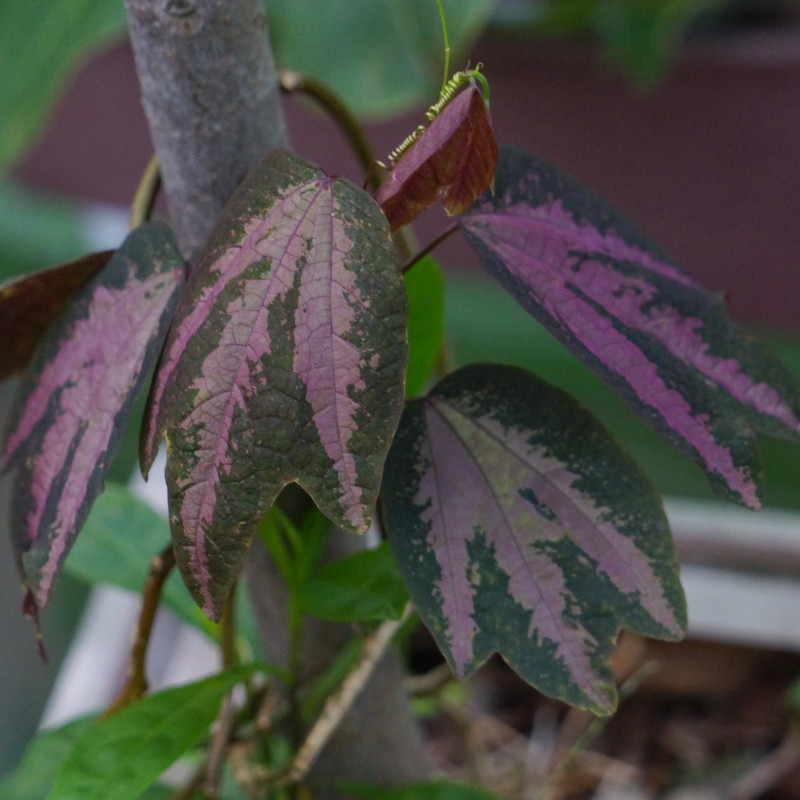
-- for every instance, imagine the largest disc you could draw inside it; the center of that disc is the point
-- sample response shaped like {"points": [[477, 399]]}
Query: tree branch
{"points": [[210, 92]]}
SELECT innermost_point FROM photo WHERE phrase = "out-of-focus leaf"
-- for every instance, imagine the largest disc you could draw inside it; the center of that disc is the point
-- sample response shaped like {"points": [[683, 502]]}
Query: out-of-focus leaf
{"points": [[33, 778], [286, 364], [121, 535], [296, 548], [640, 36], [28, 305], [662, 342], [433, 790], [76, 396], [37, 230], [314, 694], [454, 158], [122, 755], [397, 46], [41, 43], [425, 291], [520, 527], [364, 586]]}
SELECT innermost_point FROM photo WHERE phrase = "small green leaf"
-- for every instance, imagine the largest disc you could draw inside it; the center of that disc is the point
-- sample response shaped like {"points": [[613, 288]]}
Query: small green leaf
{"points": [[361, 587], [425, 292], [33, 777], [433, 790], [296, 549], [124, 754]]}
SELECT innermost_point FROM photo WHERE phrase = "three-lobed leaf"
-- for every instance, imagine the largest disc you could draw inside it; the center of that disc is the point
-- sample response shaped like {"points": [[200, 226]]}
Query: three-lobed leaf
{"points": [[285, 364], [520, 527], [662, 342], [76, 397]]}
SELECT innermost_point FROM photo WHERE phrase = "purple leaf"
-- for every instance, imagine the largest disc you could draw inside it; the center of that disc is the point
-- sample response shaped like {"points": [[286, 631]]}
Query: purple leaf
{"points": [[455, 158], [286, 364], [77, 394], [658, 338], [520, 527], [29, 304]]}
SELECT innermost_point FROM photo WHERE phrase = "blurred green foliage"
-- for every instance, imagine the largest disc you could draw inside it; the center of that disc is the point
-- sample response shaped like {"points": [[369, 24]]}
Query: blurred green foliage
{"points": [[640, 36]]}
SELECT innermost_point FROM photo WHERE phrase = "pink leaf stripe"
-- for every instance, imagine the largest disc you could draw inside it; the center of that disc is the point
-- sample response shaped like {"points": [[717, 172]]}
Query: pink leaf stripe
{"points": [[661, 340], [30, 303], [77, 395], [286, 363], [538, 535]]}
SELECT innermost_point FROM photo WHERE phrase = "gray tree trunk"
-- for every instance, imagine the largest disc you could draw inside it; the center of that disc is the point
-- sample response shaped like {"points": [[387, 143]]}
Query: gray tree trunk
{"points": [[209, 90]]}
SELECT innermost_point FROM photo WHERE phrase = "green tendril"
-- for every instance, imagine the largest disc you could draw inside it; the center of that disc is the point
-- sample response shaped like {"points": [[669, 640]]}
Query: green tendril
{"points": [[446, 45]]}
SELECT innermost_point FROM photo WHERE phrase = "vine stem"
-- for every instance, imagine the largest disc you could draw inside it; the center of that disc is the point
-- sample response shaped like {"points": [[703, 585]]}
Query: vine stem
{"points": [[446, 44], [340, 702], [291, 81], [136, 683], [417, 257], [144, 199]]}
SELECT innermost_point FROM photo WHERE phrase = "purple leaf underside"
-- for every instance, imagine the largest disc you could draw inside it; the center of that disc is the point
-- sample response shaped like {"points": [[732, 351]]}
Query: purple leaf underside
{"points": [[286, 364], [520, 527], [454, 159], [659, 339], [77, 394], [29, 304]]}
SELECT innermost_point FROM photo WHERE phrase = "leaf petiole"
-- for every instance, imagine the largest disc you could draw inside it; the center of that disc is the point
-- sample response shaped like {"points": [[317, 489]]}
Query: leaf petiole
{"points": [[146, 192]]}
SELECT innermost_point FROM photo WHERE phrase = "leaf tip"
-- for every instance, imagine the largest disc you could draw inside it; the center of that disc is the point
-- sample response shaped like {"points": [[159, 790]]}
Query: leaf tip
{"points": [[30, 609]]}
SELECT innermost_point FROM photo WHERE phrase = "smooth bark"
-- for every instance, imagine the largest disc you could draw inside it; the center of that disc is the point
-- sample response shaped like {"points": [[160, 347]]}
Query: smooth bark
{"points": [[210, 92]]}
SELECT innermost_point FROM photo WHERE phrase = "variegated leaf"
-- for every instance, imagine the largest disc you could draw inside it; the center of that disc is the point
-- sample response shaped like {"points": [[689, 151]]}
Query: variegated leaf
{"points": [[286, 363], [77, 394], [454, 158], [29, 304], [521, 527], [659, 339]]}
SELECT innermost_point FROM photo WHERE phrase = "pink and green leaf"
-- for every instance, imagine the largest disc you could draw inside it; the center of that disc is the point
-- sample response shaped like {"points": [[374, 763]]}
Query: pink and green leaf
{"points": [[520, 527], [662, 341], [76, 397], [454, 159], [29, 304], [286, 364]]}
